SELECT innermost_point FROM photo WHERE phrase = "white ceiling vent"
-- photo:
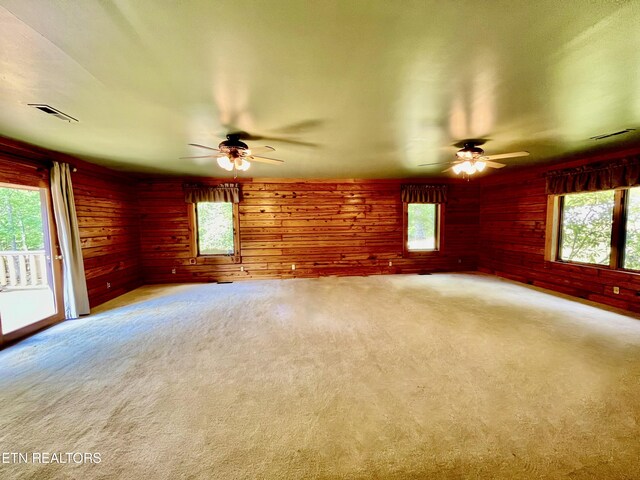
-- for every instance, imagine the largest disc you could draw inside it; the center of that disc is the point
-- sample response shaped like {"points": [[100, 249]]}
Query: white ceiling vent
{"points": [[607, 135], [49, 110]]}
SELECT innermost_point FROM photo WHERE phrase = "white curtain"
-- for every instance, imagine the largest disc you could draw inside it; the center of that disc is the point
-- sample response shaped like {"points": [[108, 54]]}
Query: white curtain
{"points": [[76, 298]]}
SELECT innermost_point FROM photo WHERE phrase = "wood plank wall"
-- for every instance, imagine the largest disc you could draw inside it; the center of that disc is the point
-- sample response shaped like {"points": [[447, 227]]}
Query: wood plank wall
{"points": [[323, 227], [107, 210], [107, 214], [513, 215]]}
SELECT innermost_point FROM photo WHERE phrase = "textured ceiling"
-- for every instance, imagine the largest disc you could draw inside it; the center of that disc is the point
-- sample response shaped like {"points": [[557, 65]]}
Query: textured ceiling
{"points": [[377, 87]]}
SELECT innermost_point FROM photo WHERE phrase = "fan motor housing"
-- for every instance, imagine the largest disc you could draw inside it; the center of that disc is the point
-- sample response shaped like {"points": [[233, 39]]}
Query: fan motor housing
{"points": [[470, 151], [233, 146]]}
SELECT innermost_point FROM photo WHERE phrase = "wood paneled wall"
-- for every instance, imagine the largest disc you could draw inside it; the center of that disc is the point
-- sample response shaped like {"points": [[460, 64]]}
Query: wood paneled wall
{"points": [[107, 210], [322, 227], [513, 217], [107, 214], [346, 227]]}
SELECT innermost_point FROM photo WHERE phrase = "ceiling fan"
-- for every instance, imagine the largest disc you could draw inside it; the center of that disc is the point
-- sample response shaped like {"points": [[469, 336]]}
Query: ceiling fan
{"points": [[471, 159], [233, 154]]}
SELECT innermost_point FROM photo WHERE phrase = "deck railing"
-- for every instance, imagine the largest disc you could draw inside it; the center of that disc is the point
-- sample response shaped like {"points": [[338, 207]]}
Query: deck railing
{"points": [[23, 269]]}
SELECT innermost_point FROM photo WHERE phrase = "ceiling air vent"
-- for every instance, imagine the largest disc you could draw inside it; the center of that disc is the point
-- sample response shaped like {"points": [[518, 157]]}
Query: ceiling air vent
{"points": [[49, 110], [607, 135]]}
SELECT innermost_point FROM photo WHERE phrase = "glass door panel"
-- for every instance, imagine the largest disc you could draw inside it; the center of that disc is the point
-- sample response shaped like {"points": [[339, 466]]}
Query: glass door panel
{"points": [[27, 280]]}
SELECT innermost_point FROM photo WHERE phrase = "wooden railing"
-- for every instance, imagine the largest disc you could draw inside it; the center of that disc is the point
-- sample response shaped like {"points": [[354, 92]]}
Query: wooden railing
{"points": [[23, 269]]}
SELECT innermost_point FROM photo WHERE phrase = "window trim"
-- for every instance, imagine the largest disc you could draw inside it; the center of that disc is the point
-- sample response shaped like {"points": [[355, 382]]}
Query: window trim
{"points": [[553, 244], [200, 258], [439, 240]]}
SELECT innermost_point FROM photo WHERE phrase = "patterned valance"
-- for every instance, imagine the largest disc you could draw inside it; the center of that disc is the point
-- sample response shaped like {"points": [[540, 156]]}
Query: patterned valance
{"points": [[624, 172], [225, 192], [422, 193]]}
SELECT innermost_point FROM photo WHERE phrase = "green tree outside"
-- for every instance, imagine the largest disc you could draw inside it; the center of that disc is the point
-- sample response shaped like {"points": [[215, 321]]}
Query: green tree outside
{"points": [[215, 228], [20, 219], [587, 219], [421, 226], [632, 245]]}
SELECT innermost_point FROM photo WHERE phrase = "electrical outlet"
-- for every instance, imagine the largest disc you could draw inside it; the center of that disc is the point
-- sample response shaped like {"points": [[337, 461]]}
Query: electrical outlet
{"points": [[293, 266], [459, 260], [616, 290], [241, 268], [108, 284], [173, 270], [390, 263]]}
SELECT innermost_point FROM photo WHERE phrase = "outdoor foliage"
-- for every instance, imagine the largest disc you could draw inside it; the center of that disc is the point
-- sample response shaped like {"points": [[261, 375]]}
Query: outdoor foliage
{"points": [[215, 228], [421, 226], [20, 219], [586, 227]]}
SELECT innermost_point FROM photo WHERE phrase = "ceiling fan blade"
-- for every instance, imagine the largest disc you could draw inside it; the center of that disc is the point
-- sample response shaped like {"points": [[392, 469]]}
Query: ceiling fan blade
{"points": [[204, 146], [450, 168], [429, 164], [252, 137], [272, 161], [282, 140], [199, 156], [299, 127], [491, 164], [506, 155], [266, 148], [260, 158]]}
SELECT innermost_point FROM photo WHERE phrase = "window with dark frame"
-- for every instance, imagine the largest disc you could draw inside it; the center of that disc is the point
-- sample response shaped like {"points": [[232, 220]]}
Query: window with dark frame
{"points": [[422, 227], [215, 227], [600, 228]]}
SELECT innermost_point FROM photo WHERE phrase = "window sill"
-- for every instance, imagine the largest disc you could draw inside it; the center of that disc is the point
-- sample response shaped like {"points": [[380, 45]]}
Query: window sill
{"points": [[217, 259], [420, 253], [592, 266]]}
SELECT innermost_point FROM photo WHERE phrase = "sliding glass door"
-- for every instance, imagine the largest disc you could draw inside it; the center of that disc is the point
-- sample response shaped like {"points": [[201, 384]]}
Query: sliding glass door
{"points": [[29, 269]]}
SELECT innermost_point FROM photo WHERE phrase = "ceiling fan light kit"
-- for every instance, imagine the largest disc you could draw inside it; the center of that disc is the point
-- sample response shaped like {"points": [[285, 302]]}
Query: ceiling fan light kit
{"points": [[469, 167], [229, 164], [233, 154], [471, 159]]}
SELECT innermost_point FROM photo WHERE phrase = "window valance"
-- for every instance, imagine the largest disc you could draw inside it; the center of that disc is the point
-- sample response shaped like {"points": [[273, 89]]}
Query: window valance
{"points": [[225, 192], [624, 172], [422, 193]]}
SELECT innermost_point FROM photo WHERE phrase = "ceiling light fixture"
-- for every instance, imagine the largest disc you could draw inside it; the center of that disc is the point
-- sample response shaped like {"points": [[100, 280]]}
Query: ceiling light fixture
{"points": [[229, 163], [225, 162], [470, 160]]}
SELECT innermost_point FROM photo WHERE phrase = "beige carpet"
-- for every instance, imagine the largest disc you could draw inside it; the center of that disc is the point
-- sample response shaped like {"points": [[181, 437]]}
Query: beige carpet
{"points": [[442, 376]]}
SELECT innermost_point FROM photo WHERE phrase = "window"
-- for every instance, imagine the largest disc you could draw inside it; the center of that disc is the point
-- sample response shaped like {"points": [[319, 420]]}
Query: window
{"points": [[216, 226], [422, 227], [600, 228], [587, 220], [631, 258]]}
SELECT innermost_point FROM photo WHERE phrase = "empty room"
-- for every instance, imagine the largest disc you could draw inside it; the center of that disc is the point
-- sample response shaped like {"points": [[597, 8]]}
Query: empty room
{"points": [[319, 240]]}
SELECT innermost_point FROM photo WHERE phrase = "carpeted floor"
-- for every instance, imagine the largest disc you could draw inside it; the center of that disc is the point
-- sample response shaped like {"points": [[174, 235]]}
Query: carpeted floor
{"points": [[445, 376]]}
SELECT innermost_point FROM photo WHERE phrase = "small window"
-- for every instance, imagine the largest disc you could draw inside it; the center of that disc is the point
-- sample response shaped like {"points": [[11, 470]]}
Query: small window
{"points": [[422, 227], [215, 222], [632, 230], [586, 227]]}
